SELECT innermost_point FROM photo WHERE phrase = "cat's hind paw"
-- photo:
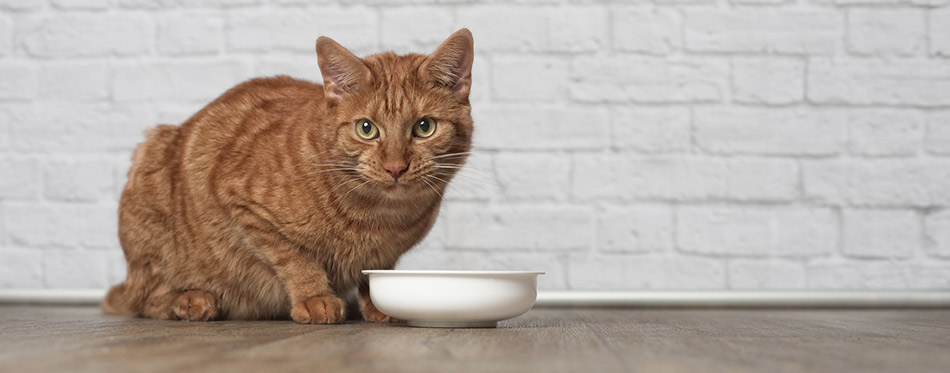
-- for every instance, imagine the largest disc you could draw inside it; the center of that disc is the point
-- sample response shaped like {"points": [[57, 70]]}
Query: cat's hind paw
{"points": [[371, 313], [195, 305], [325, 309]]}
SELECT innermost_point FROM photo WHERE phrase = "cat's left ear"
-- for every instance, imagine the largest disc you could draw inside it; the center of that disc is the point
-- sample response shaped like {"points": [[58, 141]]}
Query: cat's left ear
{"points": [[342, 71], [451, 64]]}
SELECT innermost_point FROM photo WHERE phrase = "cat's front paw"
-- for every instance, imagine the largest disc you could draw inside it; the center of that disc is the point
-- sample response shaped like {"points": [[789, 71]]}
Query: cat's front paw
{"points": [[324, 309], [195, 305]]}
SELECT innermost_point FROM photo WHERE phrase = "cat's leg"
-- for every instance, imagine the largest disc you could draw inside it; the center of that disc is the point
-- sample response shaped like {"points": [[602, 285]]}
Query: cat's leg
{"points": [[369, 310], [304, 278]]}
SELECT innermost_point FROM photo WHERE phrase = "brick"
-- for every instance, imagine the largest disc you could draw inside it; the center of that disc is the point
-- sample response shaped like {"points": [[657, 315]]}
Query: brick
{"points": [[889, 2], [646, 79], [651, 130], [768, 80], [82, 127], [19, 81], [547, 127], [939, 31], [533, 176], [518, 227], [115, 266], [550, 263], [147, 4], [476, 181], [61, 225], [217, 3], [6, 134], [177, 81], [533, 79], [75, 269], [481, 72], [760, 180], [681, 178], [627, 272], [84, 35], [298, 66], [885, 132], [81, 4], [880, 233], [414, 29], [84, 181], [768, 2], [21, 268], [647, 30], [6, 35], [576, 29], [191, 33], [886, 31], [21, 178], [756, 231], [296, 30], [762, 31], [635, 229], [937, 233], [770, 131], [765, 275], [938, 132], [615, 176], [22, 4], [120, 176], [503, 28], [877, 276], [891, 82], [879, 183], [74, 80]]}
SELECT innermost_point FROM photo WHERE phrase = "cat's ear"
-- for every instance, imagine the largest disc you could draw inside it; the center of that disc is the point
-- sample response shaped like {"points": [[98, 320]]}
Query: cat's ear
{"points": [[342, 71], [451, 64]]}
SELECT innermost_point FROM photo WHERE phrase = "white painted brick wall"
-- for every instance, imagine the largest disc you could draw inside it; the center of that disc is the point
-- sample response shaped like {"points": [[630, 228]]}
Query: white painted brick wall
{"points": [[673, 144]]}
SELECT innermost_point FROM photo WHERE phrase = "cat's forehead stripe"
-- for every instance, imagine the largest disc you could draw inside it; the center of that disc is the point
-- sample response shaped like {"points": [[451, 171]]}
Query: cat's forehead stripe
{"points": [[394, 76]]}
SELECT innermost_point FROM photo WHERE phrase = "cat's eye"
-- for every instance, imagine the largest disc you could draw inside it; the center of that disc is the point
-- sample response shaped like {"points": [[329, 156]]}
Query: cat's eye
{"points": [[366, 130], [424, 127]]}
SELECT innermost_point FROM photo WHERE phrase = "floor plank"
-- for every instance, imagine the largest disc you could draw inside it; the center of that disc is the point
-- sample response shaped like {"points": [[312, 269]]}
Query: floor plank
{"points": [[48, 338]]}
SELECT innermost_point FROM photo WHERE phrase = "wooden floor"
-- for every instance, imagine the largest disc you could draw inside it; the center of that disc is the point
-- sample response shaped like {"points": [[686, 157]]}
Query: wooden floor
{"points": [[45, 338]]}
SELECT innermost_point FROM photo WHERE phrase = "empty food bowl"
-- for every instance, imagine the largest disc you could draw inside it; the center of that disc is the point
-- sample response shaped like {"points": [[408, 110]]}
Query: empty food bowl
{"points": [[453, 299]]}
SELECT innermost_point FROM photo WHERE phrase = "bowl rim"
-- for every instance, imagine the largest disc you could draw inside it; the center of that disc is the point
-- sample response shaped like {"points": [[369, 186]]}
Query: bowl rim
{"points": [[445, 272]]}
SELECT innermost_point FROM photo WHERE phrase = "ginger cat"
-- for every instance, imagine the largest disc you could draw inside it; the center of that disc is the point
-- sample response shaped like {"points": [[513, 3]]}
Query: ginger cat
{"points": [[268, 202]]}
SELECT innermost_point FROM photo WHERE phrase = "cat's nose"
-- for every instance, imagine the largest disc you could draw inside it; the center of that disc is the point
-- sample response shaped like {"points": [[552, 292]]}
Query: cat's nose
{"points": [[396, 169]]}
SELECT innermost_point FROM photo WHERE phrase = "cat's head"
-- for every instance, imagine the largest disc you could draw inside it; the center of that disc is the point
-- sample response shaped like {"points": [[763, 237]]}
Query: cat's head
{"points": [[400, 124]]}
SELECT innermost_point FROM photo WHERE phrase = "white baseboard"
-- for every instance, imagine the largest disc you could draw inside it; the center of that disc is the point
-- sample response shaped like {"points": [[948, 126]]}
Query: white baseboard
{"points": [[740, 298], [673, 299]]}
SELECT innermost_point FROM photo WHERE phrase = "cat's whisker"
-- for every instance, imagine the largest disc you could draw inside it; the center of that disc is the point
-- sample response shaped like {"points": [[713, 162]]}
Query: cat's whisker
{"points": [[355, 188], [459, 167], [479, 178], [449, 155], [345, 182], [473, 175], [438, 178], [434, 189], [337, 169]]}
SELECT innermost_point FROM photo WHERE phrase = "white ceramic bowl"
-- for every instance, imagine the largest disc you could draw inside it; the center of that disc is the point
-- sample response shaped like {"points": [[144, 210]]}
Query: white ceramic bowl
{"points": [[453, 299]]}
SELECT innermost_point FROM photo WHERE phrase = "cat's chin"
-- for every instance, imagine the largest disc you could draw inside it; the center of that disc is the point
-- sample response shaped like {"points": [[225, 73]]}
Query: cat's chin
{"points": [[401, 190]]}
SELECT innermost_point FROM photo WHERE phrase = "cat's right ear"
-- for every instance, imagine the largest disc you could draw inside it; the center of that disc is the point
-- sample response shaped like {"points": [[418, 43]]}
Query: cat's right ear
{"points": [[342, 71]]}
